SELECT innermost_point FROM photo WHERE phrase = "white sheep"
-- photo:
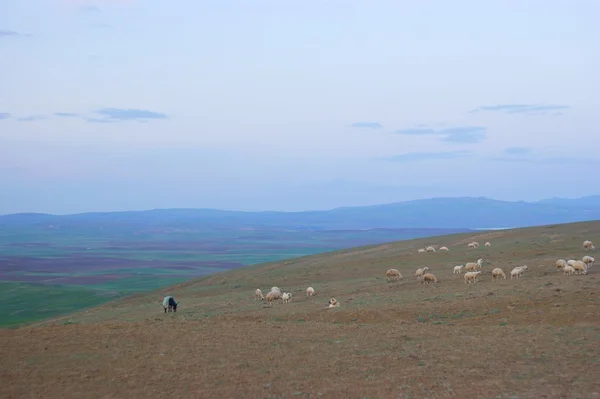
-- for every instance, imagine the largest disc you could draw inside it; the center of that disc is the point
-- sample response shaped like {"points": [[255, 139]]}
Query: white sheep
{"points": [[571, 262], [445, 249], [430, 249], [471, 245], [429, 278], [392, 274], [310, 291], [471, 277], [580, 267], [472, 266], [476, 244], [588, 260], [273, 296], [560, 264], [287, 297], [333, 303], [422, 250], [518, 271], [487, 244], [258, 295], [587, 245], [458, 269], [419, 272], [497, 273], [568, 270], [275, 289]]}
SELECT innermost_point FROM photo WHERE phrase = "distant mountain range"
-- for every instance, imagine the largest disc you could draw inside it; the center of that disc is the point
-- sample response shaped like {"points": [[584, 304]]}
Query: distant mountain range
{"points": [[461, 212]]}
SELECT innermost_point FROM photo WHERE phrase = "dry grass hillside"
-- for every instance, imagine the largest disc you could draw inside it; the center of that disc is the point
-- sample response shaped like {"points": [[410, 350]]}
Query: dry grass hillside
{"points": [[533, 337]]}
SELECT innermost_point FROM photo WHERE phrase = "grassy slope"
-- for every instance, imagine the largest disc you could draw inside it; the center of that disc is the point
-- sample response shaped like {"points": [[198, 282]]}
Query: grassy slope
{"points": [[539, 335]]}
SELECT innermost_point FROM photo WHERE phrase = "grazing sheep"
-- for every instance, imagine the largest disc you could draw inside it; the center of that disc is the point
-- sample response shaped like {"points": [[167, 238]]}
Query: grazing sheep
{"points": [[571, 262], [497, 273], [275, 289], [422, 250], [429, 278], [471, 245], [458, 269], [487, 244], [518, 271], [588, 260], [392, 274], [560, 264], [287, 297], [445, 249], [310, 291], [471, 277], [258, 295], [470, 266], [419, 272], [587, 245], [568, 270], [273, 296], [333, 303], [430, 249], [170, 303], [580, 267]]}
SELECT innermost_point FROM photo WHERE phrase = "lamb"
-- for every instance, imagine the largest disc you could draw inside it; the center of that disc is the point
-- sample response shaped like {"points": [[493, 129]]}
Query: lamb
{"points": [[487, 244], [287, 297], [497, 273], [560, 264], [310, 291], [471, 277], [258, 295], [429, 278], [445, 249], [422, 250], [518, 271], [419, 272], [588, 260], [458, 269], [392, 274], [170, 303], [430, 249], [587, 245], [273, 296], [580, 267], [568, 270], [333, 303]]}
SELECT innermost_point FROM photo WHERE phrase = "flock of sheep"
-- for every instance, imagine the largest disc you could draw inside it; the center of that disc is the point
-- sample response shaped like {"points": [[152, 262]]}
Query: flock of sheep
{"points": [[286, 297]]}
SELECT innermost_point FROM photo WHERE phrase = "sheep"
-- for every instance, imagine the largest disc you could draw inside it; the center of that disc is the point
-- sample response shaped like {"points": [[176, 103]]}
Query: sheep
{"points": [[430, 249], [560, 264], [458, 269], [273, 296], [587, 245], [333, 303], [580, 267], [568, 270], [170, 303], [476, 244], [487, 244], [422, 250], [419, 272], [471, 245], [472, 277], [392, 274], [445, 249], [571, 262], [310, 291], [275, 289], [429, 278], [497, 273], [287, 297], [518, 271], [588, 260], [258, 295]]}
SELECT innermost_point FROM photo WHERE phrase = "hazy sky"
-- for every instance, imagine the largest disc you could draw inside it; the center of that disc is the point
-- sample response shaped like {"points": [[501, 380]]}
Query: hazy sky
{"points": [[295, 104]]}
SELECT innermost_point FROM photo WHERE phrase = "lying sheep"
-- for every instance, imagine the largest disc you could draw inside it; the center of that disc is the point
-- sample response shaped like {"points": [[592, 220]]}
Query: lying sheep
{"points": [[471, 277], [587, 245], [588, 260], [429, 278], [333, 303], [497, 273], [258, 295], [422, 250], [487, 244], [430, 249], [310, 291], [419, 272], [273, 296], [445, 249], [458, 269], [518, 271], [392, 274], [580, 267], [568, 270], [287, 297], [170, 303], [560, 264]]}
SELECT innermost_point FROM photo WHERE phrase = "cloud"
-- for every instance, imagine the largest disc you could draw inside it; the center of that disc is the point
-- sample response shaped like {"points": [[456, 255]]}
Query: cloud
{"points": [[428, 156], [120, 115], [4, 115], [455, 135], [67, 114], [31, 118], [517, 151], [522, 108], [12, 33], [367, 125]]}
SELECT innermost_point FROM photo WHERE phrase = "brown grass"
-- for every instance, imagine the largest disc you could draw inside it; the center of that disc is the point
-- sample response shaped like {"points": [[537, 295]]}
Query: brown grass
{"points": [[535, 337]]}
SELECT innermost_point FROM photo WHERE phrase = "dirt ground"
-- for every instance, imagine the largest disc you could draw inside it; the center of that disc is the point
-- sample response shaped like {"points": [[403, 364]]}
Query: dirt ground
{"points": [[533, 337]]}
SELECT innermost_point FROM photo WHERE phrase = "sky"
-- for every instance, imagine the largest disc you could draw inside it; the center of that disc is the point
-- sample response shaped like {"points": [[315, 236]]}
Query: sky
{"points": [[295, 105]]}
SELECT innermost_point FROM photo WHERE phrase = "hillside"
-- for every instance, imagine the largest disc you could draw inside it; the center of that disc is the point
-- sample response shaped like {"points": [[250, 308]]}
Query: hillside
{"points": [[537, 336], [428, 213]]}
